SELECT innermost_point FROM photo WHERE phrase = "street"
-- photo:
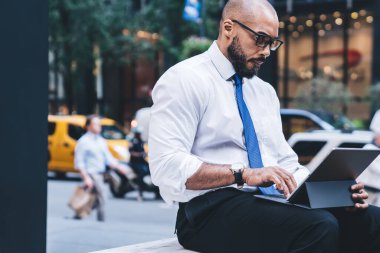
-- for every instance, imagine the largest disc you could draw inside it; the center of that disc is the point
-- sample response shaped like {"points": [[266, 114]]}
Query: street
{"points": [[127, 221]]}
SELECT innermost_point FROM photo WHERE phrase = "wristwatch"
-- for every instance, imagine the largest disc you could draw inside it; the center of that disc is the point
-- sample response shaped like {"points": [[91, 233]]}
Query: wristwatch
{"points": [[237, 171]]}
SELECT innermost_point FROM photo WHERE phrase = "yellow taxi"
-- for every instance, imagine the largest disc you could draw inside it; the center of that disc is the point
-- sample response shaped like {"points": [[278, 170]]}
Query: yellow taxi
{"points": [[63, 133]]}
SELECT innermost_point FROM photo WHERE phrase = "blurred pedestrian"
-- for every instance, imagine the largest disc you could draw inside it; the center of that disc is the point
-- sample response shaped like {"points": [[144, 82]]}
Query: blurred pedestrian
{"points": [[137, 152], [92, 156], [138, 162]]}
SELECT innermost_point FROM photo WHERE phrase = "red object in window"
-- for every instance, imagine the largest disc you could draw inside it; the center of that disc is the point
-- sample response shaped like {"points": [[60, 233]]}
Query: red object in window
{"points": [[354, 56]]}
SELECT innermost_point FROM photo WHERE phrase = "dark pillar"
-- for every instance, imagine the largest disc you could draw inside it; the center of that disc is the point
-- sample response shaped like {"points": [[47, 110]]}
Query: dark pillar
{"points": [[23, 128], [315, 66], [346, 26], [111, 92], [376, 53], [376, 43]]}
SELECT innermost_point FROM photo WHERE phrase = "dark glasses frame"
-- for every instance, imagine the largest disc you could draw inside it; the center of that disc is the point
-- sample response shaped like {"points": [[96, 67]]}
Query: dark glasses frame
{"points": [[260, 35]]}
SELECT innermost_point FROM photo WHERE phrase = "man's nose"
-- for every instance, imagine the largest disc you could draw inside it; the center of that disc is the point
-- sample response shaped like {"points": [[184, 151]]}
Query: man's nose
{"points": [[266, 51]]}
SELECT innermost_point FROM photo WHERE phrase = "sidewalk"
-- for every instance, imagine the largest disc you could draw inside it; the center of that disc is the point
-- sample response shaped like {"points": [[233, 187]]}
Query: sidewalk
{"points": [[66, 235], [127, 222]]}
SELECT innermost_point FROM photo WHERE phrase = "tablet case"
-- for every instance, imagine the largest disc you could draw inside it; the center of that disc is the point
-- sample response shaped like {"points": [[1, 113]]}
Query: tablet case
{"points": [[324, 194]]}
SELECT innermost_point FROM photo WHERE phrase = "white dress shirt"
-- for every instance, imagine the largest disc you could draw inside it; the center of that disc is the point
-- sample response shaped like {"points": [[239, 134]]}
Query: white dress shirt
{"points": [[195, 119], [92, 154]]}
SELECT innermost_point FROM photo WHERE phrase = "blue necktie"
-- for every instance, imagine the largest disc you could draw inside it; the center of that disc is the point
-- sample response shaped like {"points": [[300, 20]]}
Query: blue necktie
{"points": [[251, 142]]}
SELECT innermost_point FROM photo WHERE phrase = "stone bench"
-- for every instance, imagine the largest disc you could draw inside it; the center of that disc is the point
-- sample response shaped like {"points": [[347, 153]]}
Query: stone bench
{"points": [[161, 246]]}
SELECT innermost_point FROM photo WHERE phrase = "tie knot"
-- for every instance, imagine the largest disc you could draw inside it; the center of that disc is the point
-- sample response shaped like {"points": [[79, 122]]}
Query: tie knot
{"points": [[237, 79]]}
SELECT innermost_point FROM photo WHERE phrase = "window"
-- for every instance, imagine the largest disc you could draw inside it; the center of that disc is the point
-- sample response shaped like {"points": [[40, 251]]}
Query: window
{"points": [[51, 128], [111, 132], [352, 145], [76, 132], [307, 150], [291, 125], [326, 62]]}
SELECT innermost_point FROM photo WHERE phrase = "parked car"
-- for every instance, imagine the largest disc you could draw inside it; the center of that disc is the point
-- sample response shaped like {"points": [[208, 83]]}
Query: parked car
{"points": [[338, 121], [63, 133], [297, 120], [293, 121]]}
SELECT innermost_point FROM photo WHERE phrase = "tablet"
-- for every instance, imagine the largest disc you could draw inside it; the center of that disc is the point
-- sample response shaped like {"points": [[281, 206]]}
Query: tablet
{"points": [[333, 175]]}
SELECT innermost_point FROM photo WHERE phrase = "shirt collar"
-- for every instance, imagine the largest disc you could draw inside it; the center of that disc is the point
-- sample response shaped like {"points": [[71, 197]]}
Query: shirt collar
{"points": [[92, 135], [221, 63]]}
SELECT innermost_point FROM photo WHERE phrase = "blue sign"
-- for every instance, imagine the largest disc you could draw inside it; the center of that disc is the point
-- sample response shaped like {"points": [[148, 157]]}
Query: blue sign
{"points": [[192, 10]]}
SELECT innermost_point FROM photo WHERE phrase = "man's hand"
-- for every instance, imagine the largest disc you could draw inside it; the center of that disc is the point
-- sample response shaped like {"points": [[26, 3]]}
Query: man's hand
{"points": [[88, 182], [86, 178], [359, 196], [267, 176]]}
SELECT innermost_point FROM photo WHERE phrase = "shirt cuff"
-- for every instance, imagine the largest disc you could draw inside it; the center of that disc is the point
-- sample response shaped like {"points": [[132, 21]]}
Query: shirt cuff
{"points": [[192, 165], [301, 174]]}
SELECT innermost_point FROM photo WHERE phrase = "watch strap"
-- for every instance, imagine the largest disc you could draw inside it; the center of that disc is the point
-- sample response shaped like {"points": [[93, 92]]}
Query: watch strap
{"points": [[238, 174]]}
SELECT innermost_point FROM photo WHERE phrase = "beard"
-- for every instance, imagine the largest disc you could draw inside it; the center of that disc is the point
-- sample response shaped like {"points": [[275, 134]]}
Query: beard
{"points": [[239, 60]]}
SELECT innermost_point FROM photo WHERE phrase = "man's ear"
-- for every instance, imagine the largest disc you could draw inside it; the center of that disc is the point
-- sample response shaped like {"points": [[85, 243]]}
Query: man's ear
{"points": [[228, 28]]}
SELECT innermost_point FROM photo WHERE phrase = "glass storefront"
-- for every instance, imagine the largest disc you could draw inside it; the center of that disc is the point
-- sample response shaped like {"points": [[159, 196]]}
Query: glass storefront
{"points": [[326, 64]]}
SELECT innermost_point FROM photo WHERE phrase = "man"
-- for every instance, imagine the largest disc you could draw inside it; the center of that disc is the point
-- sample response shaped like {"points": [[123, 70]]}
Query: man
{"points": [[91, 158], [371, 176], [214, 126], [138, 155], [138, 162]]}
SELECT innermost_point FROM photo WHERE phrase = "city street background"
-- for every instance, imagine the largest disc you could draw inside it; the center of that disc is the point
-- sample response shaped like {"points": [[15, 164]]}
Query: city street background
{"points": [[105, 57], [127, 221]]}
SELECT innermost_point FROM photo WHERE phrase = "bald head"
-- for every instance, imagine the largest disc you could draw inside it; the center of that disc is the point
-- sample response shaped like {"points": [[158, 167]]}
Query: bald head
{"points": [[248, 10], [242, 21]]}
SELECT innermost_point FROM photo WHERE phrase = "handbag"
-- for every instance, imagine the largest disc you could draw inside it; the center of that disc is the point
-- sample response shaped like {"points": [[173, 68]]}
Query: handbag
{"points": [[82, 201]]}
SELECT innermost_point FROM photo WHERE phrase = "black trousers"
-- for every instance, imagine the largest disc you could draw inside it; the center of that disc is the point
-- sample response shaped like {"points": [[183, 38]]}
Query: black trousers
{"points": [[229, 220]]}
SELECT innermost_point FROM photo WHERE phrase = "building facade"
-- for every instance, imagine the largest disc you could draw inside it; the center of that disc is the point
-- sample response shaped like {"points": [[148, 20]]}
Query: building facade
{"points": [[330, 60]]}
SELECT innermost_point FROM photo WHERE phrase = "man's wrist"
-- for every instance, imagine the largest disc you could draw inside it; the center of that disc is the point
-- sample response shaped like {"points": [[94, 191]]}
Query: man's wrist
{"points": [[244, 175], [237, 171]]}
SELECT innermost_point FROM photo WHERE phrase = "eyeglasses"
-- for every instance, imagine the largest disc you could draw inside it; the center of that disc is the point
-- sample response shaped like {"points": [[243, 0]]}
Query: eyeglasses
{"points": [[263, 40]]}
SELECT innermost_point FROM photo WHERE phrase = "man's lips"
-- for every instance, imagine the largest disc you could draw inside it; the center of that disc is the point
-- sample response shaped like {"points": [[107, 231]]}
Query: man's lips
{"points": [[257, 61]]}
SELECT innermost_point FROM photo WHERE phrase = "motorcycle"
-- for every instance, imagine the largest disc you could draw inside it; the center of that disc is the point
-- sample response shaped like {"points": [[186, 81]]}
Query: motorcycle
{"points": [[121, 184]]}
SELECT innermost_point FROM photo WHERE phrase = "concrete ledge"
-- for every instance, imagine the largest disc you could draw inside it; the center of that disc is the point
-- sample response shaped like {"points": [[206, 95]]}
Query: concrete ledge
{"points": [[161, 246]]}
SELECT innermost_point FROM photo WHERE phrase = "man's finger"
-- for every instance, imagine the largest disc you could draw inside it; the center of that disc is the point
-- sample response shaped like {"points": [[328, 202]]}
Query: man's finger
{"points": [[357, 187], [288, 179], [359, 196], [291, 177], [281, 185], [361, 206], [277, 182]]}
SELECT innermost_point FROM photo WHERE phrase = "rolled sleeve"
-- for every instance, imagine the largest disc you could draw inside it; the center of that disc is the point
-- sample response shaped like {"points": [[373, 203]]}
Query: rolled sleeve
{"points": [[177, 109], [79, 156]]}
